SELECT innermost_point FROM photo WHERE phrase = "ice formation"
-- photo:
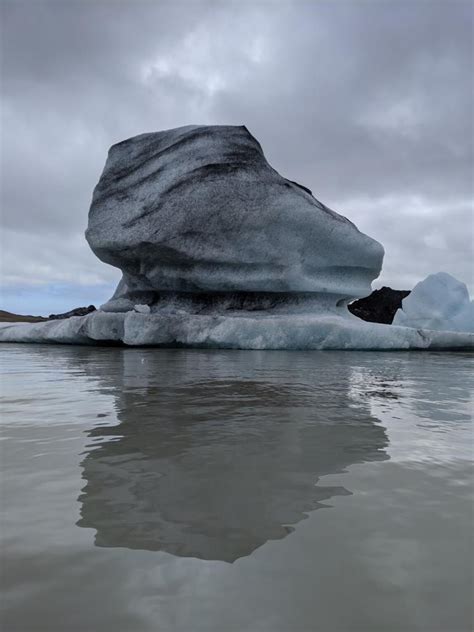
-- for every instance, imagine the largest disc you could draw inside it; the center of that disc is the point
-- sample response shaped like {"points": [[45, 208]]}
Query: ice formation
{"points": [[218, 250], [246, 330], [439, 302], [198, 209]]}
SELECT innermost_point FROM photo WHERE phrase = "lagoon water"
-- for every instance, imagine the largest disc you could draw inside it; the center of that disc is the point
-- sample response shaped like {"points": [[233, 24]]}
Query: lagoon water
{"points": [[147, 490]]}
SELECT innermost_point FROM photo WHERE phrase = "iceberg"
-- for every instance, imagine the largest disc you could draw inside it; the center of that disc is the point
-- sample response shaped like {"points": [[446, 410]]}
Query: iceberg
{"points": [[218, 250], [245, 330], [439, 302], [198, 209]]}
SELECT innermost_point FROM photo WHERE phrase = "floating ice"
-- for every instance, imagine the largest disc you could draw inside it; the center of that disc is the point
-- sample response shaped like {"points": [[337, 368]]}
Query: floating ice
{"points": [[199, 209], [439, 302], [218, 250], [247, 330]]}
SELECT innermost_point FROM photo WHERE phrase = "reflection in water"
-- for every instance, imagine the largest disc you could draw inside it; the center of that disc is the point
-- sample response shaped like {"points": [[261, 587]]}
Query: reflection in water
{"points": [[212, 453], [217, 452]]}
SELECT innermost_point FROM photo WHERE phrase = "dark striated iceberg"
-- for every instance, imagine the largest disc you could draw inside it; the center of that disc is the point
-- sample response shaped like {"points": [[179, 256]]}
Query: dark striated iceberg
{"points": [[198, 209], [218, 250]]}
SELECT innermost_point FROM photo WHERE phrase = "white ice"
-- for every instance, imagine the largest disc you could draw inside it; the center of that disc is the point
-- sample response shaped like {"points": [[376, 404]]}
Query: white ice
{"points": [[440, 302], [244, 331]]}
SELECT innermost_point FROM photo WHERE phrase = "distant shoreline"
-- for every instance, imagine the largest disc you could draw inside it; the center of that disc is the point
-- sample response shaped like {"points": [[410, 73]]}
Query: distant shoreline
{"points": [[9, 317]]}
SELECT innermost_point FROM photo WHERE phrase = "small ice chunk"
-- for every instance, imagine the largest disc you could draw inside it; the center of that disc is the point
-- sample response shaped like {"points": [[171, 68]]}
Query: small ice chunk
{"points": [[440, 303], [142, 309], [118, 305]]}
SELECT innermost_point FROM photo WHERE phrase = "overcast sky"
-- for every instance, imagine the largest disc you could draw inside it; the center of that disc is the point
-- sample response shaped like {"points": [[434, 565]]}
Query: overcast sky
{"points": [[368, 103]]}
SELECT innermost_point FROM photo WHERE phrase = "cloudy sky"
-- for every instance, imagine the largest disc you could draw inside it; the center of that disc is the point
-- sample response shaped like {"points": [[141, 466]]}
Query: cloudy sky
{"points": [[368, 103]]}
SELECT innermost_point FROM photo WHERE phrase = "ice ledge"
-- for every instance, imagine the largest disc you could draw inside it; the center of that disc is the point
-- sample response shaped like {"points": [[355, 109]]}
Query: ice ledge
{"points": [[243, 331]]}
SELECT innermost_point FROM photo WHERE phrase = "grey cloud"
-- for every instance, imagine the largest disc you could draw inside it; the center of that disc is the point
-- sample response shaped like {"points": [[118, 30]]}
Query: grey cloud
{"points": [[370, 100], [369, 104], [420, 237]]}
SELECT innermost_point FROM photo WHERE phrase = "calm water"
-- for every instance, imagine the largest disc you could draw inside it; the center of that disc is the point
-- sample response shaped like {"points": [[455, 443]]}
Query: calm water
{"points": [[153, 490]]}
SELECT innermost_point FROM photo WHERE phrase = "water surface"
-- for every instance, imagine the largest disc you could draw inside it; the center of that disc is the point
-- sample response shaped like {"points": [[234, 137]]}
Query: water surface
{"points": [[155, 490]]}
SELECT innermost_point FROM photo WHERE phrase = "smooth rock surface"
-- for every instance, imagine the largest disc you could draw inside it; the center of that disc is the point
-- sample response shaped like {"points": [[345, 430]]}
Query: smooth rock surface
{"points": [[199, 209], [440, 302]]}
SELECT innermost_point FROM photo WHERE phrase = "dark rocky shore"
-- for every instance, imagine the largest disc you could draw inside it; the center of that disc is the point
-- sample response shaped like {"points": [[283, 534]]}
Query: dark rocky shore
{"points": [[9, 317], [78, 311]]}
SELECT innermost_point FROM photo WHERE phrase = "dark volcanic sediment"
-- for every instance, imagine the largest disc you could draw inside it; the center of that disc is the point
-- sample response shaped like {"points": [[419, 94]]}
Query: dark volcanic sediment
{"points": [[380, 306]]}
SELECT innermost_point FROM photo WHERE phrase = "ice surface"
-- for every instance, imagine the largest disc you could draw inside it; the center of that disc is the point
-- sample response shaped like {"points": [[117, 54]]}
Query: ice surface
{"points": [[244, 330], [440, 302], [142, 309], [218, 250], [199, 209]]}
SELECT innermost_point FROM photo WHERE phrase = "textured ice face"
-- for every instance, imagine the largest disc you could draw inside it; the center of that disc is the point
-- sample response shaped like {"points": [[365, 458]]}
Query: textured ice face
{"points": [[440, 302], [218, 250], [240, 330], [199, 209]]}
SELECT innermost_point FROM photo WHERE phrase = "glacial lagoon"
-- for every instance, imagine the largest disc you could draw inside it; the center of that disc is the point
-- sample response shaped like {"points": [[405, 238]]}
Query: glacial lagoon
{"points": [[149, 490]]}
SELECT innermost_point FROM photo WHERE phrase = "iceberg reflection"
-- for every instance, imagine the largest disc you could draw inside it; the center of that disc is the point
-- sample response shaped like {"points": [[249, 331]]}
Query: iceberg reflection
{"points": [[215, 453]]}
